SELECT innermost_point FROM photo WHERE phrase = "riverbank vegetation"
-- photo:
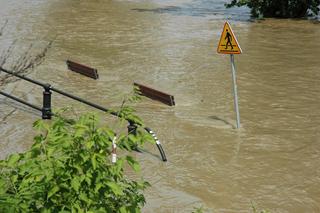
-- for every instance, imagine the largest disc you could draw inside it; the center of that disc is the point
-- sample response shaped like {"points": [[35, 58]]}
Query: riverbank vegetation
{"points": [[69, 168], [279, 8]]}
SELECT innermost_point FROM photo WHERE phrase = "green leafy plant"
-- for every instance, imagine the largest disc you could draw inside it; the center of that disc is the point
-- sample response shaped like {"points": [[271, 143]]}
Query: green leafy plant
{"points": [[198, 210], [279, 8], [256, 210], [69, 168]]}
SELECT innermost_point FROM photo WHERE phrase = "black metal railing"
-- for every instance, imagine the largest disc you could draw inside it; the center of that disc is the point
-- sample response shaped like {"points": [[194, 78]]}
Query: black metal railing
{"points": [[21, 101], [46, 108]]}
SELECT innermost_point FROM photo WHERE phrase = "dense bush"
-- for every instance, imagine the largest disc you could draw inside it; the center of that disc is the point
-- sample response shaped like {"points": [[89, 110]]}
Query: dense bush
{"points": [[69, 169], [279, 8]]}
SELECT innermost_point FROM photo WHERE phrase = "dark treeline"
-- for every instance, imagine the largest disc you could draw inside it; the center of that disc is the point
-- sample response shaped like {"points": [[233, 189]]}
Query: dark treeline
{"points": [[279, 8]]}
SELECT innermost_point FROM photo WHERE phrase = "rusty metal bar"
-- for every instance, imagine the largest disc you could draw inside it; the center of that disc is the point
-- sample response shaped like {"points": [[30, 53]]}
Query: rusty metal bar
{"points": [[82, 69], [155, 94]]}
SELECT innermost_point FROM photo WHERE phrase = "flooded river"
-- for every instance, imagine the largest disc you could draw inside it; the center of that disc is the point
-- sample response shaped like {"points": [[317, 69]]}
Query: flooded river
{"points": [[272, 161]]}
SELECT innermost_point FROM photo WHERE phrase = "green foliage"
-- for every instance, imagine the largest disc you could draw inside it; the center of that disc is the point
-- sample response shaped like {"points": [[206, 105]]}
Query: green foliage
{"points": [[255, 209], [198, 210], [279, 8], [69, 169]]}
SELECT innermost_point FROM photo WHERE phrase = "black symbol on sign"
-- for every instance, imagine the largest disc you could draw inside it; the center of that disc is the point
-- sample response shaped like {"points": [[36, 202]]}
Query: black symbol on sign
{"points": [[229, 39]]}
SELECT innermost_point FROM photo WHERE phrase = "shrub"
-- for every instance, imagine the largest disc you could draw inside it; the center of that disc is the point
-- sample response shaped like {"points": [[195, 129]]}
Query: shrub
{"points": [[69, 169], [279, 8]]}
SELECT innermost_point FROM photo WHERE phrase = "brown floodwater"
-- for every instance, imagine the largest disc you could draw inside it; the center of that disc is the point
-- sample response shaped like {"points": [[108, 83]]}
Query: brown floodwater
{"points": [[273, 160]]}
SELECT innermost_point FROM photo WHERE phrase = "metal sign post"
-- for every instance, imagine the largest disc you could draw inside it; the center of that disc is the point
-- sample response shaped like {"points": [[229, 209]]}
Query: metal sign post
{"points": [[228, 44], [235, 91]]}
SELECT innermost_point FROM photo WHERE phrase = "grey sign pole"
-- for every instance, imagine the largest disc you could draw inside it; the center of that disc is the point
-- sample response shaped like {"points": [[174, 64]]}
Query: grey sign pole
{"points": [[235, 92]]}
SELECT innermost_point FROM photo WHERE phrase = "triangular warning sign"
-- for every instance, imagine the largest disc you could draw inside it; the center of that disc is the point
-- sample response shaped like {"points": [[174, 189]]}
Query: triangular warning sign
{"points": [[228, 42]]}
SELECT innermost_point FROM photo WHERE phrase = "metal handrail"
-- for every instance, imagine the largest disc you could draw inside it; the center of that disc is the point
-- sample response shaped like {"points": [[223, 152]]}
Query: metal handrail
{"points": [[21, 101], [46, 109]]}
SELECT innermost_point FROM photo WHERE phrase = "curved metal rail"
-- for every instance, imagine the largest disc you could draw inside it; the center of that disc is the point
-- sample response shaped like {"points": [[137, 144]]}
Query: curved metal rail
{"points": [[163, 154]]}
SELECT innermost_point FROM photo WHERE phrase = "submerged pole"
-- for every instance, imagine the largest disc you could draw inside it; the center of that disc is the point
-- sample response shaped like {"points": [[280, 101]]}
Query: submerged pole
{"points": [[235, 92]]}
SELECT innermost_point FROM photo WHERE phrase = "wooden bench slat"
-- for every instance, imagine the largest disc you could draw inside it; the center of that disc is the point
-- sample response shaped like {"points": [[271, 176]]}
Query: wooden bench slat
{"points": [[156, 94], [82, 69]]}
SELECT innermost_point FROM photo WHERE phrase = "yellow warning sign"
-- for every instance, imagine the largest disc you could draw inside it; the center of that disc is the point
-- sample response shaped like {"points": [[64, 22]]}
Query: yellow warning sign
{"points": [[228, 42]]}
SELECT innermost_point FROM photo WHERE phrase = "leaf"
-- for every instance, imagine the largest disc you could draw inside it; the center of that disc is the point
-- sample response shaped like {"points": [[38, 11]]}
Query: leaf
{"points": [[3, 186], [64, 186], [132, 138], [119, 166], [133, 163], [123, 209], [50, 151], [89, 144], [94, 161], [115, 188], [88, 179], [13, 159], [84, 156], [75, 184], [80, 130], [97, 187], [148, 138], [134, 118], [40, 125], [78, 168], [14, 178], [52, 191], [45, 211], [124, 143], [23, 207], [38, 139], [84, 198], [76, 208]]}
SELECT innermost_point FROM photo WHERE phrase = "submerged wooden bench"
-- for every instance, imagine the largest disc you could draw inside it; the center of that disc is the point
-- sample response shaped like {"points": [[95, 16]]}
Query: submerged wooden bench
{"points": [[155, 94], [82, 69]]}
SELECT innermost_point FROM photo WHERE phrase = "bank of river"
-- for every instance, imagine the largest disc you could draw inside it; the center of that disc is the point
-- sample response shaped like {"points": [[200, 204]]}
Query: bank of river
{"points": [[272, 160]]}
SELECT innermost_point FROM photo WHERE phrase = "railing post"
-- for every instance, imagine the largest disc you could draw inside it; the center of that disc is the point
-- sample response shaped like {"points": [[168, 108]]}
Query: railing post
{"points": [[132, 128], [46, 109]]}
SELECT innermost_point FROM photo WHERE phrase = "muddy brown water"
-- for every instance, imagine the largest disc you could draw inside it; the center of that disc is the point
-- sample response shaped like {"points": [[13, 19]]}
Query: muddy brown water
{"points": [[273, 160]]}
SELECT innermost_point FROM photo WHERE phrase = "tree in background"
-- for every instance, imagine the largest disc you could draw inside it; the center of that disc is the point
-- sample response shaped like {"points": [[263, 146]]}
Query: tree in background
{"points": [[21, 59], [279, 8]]}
